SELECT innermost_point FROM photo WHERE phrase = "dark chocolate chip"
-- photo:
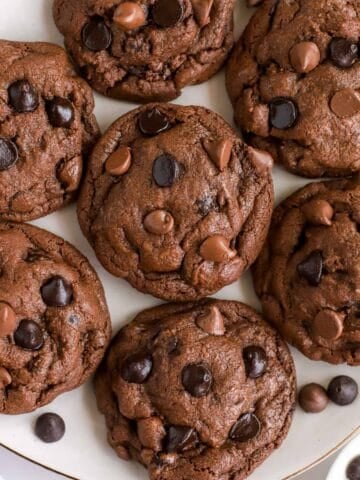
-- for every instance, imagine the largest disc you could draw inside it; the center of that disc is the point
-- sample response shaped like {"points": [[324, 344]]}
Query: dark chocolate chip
{"points": [[311, 268], [96, 35], [57, 292], [8, 153], [206, 205], [29, 335], [180, 438], [60, 112], [166, 170], [50, 427], [197, 379], [344, 52], [167, 13], [283, 113], [353, 469], [246, 428], [137, 368], [255, 361], [152, 122], [342, 390], [174, 346], [22, 96]]}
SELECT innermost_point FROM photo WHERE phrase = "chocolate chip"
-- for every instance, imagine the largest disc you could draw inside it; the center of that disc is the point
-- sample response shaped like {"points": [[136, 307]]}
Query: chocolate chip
{"points": [[60, 112], [8, 153], [255, 361], [180, 438], [219, 151], [167, 13], [129, 16], [246, 428], [29, 335], [137, 368], [57, 292], [50, 427], [283, 113], [174, 346], [313, 398], [23, 97], [166, 170], [159, 222], [318, 212], [311, 268], [211, 321], [119, 162], [206, 205], [328, 324], [344, 52], [262, 160], [202, 10], [197, 379], [353, 469], [7, 320], [345, 103], [152, 122], [305, 56], [216, 249], [342, 390], [96, 35], [5, 378]]}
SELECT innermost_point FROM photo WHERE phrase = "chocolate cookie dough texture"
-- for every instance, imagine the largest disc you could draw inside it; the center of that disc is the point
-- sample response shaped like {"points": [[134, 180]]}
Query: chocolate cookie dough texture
{"points": [[146, 50], [174, 202], [54, 322], [47, 126], [203, 391], [294, 81], [308, 275]]}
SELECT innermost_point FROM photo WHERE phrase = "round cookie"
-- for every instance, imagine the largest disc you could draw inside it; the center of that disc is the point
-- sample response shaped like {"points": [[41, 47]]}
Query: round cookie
{"points": [[203, 391], [174, 201], [294, 81], [46, 127], [54, 322], [146, 50], [308, 275]]}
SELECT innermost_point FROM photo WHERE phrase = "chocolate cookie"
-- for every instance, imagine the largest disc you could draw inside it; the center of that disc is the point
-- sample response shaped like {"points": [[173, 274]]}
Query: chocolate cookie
{"points": [[203, 391], [54, 322], [46, 126], [308, 275], [294, 81], [146, 50], [174, 201]]}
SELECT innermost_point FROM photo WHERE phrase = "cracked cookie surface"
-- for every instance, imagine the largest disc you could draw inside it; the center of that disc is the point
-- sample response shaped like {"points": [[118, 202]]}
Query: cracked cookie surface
{"points": [[308, 276], [293, 79], [174, 202], [46, 127], [54, 322], [146, 50], [203, 391]]}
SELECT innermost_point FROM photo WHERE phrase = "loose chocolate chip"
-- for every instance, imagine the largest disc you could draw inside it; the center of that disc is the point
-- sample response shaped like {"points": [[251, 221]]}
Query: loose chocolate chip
{"points": [[28, 335], [152, 122], [180, 438], [247, 427], [313, 398], [137, 368], [311, 268], [57, 292], [197, 379], [60, 112], [167, 13], [166, 170], [50, 427], [96, 35], [255, 361], [344, 52], [342, 390], [8, 153], [283, 113], [353, 470], [22, 96]]}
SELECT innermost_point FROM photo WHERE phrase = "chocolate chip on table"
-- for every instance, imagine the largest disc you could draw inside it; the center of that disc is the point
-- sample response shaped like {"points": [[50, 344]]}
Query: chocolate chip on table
{"points": [[137, 368], [5, 378], [23, 97], [7, 320], [180, 438], [246, 428], [313, 398], [152, 122], [283, 113], [344, 52], [129, 16], [8, 153], [96, 35], [57, 292], [159, 222], [29, 335], [119, 162], [50, 427], [166, 170], [167, 13], [60, 112], [197, 379], [353, 469], [343, 390], [305, 56], [311, 268], [255, 361]]}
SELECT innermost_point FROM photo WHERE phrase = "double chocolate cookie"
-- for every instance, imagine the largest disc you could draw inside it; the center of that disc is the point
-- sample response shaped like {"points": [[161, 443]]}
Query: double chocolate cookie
{"points": [[54, 322], [146, 50], [203, 391], [308, 275], [174, 201], [294, 81], [46, 126]]}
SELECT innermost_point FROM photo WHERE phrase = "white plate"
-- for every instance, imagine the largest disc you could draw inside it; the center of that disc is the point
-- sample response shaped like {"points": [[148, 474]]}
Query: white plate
{"points": [[83, 453], [338, 470]]}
